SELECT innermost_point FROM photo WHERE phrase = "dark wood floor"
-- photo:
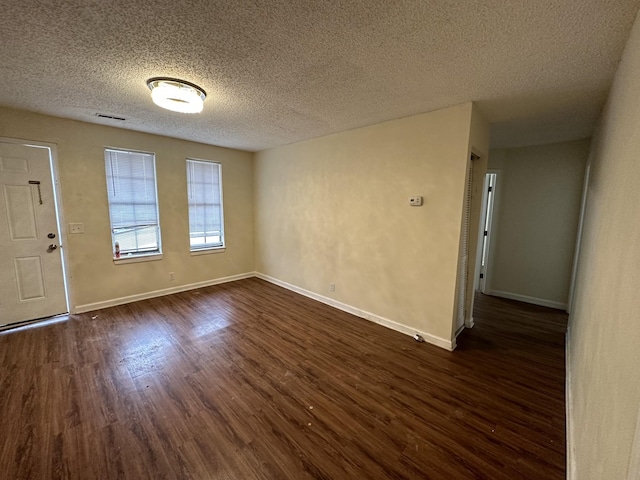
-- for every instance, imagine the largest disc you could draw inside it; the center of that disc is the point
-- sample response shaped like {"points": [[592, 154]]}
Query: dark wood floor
{"points": [[250, 381]]}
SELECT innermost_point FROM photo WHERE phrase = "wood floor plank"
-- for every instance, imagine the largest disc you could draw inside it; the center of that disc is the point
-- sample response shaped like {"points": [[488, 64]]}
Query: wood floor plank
{"points": [[247, 380]]}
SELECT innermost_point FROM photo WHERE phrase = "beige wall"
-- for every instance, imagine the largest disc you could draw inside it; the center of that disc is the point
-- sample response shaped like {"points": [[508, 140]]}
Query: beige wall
{"points": [[534, 235], [336, 210], [604, 356], [330, 210], [80, 155]]}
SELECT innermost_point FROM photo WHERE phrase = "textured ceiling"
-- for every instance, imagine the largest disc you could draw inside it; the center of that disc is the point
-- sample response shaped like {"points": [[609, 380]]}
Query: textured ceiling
{"points": [[279, 71]]}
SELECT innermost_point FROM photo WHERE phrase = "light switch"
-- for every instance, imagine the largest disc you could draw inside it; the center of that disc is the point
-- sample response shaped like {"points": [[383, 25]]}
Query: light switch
{"points": [[76, 228], [415, 201]]}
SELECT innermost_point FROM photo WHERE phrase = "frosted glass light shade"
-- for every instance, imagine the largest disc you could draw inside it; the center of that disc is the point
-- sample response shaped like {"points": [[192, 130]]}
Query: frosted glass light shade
{"points": [[176, 95]]}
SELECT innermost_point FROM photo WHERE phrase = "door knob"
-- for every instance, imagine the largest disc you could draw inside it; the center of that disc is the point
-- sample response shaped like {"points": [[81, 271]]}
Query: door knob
{"points": [[52, 247], [51, 235]]}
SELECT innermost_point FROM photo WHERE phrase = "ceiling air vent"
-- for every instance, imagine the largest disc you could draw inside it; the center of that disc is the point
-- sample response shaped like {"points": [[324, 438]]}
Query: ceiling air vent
{"points": [[110, 117]]}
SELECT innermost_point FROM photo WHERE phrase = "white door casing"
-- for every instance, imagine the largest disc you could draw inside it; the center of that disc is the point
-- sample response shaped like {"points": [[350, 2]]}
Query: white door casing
{"points": [[31, 273]]}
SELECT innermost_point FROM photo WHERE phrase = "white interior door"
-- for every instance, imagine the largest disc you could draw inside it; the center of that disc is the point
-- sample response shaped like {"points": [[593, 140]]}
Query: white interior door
{"points": [[490, 194], [31, 275]]}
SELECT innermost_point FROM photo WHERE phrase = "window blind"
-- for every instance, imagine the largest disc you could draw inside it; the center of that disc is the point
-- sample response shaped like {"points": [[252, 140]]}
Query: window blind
{"points": [[206, 225], [133, 201]]}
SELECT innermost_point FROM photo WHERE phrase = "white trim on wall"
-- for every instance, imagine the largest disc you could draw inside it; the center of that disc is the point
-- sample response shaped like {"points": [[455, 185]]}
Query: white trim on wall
{"points": [[524, 298], [158, 293], [385, 322], [571, 463], [576, 255]]}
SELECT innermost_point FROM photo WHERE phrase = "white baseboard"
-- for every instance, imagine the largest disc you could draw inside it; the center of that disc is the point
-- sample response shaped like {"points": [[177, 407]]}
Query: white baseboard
{"points": [[88, 307], [523, 298], [399, 327], [571, 465], [432, 339]]}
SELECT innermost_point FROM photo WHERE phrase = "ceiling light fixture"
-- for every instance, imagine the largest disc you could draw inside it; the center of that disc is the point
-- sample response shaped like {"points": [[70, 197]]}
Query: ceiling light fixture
{"points": [[176, 95]]}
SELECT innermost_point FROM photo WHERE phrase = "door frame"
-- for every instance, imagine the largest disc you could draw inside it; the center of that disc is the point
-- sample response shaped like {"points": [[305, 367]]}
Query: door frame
{"points": [[57, 195], [576, 255], [491, 211]]}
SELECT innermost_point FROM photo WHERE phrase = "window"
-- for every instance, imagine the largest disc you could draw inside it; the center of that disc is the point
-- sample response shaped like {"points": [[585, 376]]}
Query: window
{"points": [[204, 189], [133, 202]]}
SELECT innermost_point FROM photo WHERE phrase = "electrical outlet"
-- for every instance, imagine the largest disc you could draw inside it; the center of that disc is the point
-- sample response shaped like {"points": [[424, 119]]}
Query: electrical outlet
{"points": [[171, 277], [332, 287], [76, 228], [415, 201]]}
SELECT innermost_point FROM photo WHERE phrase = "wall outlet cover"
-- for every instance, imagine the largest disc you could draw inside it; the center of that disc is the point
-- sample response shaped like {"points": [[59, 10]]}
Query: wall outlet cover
{"points": [[76, 228]]}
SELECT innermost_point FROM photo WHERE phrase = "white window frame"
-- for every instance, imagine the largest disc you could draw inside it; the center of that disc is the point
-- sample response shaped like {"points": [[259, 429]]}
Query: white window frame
{"points": [[205, 248], [143, 254]]}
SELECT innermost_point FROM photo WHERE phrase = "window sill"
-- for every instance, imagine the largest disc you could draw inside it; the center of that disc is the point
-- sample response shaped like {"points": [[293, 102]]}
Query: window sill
{"points": [[150, 257], [207, 251]]}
